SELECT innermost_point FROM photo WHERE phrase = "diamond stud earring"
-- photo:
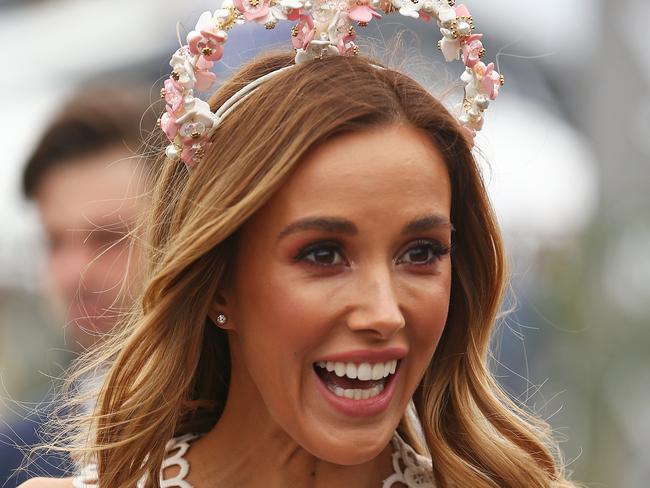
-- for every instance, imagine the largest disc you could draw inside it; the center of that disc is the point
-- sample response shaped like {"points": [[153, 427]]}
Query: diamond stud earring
{"points": [[221, 319]]}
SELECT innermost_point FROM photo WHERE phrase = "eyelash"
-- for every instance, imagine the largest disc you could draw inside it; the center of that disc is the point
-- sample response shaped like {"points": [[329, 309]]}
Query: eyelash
{"points": [[438, 250]]}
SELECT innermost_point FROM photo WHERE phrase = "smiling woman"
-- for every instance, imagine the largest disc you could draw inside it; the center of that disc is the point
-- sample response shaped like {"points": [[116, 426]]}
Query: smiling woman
{"points": [[321, 291]]}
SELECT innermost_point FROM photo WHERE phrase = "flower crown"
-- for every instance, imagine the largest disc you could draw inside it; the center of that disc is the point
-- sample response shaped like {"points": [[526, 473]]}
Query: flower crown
{"points": [[324, 28]]}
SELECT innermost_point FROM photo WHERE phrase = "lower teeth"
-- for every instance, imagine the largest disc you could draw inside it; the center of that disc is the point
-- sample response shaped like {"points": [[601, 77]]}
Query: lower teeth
{"points": [[357, 394]]}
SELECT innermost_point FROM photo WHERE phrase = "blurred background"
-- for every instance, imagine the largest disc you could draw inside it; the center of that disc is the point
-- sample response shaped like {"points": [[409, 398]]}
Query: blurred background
{"points": [[567, 153]]}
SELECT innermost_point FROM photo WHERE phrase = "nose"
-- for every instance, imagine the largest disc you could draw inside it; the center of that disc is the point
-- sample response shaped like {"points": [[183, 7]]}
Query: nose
{"points": [[375, 306]]}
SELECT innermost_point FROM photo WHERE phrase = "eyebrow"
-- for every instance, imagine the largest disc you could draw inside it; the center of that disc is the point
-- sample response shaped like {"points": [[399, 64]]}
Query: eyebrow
{"points": [[337, 225]]}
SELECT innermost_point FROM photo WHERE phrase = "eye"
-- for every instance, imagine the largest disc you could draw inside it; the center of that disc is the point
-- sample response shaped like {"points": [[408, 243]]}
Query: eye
{"points": [[322, 254], [423, 253]]}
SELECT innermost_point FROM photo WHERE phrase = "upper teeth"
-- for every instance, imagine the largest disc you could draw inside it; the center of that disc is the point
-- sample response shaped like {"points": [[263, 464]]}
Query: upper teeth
{"points": [[363, 371]]}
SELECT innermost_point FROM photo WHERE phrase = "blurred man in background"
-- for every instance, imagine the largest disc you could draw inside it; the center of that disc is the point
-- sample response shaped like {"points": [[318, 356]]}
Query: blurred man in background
{"points": [[89, 186]]}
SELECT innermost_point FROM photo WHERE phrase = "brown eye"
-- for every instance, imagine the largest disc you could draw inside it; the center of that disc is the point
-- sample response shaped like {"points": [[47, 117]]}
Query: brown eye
{"points": [[423, 253], [322, 255], [420, 254]]}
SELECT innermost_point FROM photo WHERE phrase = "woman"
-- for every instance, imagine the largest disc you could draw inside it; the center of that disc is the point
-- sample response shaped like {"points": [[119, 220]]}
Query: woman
{"points": [[322, 287]]}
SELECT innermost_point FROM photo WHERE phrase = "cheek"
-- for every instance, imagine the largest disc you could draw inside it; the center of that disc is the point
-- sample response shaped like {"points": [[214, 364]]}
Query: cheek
{"points": [[428, 315], [279, 316]]}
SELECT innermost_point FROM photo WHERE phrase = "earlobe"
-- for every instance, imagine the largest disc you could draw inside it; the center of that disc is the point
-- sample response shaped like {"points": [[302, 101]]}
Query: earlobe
{"points": [[221, 319], [219, 314]]}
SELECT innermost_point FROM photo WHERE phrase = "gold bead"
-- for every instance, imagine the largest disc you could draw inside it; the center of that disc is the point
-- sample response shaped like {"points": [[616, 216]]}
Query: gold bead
{"points": [[294, 31], [440, 44], [207, 51], [481, 53], [351, 31], [195, 135], [158, 123], [355, 51], [254, 3], [502, 80], [270, 25], [362, 24], [176, 75], [451, 2], [163, 92]]}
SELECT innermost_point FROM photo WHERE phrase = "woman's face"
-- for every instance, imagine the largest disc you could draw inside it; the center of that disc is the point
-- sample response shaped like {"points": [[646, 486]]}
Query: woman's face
{"points": [[341, 291]]}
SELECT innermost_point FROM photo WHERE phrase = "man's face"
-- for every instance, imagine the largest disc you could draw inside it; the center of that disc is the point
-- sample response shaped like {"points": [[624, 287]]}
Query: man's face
{"points": [[87, 207]]}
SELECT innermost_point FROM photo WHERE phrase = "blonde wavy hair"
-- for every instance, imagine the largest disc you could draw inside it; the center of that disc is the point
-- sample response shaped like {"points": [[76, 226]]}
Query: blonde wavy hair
{"points": [[167, 370]]}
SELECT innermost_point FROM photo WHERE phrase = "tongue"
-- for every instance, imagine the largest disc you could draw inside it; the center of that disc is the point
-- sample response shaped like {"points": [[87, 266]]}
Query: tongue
{"points": [[330, 378]]}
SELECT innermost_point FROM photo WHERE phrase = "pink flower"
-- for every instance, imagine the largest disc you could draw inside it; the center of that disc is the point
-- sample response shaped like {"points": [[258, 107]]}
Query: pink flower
{"points": [[295, 13], [344, 42], [205, 78], [193, 153], [472, 50], [462, 11], [173, 96], [253, 9], [491, 82], [363, 13], [169, 126], [303, 32], [208, 45]]}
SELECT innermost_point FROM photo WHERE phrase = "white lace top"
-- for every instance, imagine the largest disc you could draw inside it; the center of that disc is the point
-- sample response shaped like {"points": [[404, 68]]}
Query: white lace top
{"points": [[410, 468]]}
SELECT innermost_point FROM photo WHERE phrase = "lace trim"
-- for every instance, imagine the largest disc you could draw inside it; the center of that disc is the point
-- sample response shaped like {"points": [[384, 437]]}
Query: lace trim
{"points": [[178, 445], [411, 469]]}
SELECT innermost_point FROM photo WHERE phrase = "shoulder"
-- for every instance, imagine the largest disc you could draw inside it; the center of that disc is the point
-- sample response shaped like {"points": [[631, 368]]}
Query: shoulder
{"points": [[48, 483]]}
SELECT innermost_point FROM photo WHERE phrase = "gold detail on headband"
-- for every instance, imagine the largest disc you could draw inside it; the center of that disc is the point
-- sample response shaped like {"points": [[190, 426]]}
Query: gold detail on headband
{"points": [[462, 27], [228, 22], [198, 155], [176, 75]]}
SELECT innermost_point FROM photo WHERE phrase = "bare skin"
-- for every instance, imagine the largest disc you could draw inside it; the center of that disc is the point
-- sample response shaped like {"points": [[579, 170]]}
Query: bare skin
{"points": [[87, 206], [375, 276]]}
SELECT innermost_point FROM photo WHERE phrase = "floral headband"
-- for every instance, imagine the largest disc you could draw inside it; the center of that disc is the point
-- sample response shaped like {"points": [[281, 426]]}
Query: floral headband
{"points": [[324, 28]]}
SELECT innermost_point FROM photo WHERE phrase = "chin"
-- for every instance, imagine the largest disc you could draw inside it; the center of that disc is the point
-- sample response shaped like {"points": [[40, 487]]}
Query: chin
{"points": [[349, 449]]}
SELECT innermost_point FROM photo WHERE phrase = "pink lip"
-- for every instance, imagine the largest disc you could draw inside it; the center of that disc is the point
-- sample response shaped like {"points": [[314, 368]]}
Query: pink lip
{"points": [[366, 355], [360, 408]]}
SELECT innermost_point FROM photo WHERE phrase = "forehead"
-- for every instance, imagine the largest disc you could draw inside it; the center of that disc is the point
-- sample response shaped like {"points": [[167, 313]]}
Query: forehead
{"points": [[95, 189], [390, 172]]}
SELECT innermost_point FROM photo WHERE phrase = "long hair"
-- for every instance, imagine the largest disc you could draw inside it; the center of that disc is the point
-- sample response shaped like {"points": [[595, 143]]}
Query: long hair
{"points": [[168, 368]]}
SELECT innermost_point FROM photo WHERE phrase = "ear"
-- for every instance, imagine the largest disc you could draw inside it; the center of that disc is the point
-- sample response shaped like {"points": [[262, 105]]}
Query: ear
{"points": [[220, 313]]}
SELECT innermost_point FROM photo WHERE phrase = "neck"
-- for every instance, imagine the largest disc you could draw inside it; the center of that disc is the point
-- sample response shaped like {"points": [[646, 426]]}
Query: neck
{"points": [[248, 448]]}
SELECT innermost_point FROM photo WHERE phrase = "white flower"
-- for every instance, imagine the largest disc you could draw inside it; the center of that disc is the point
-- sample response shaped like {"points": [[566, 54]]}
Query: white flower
{"points": [[205, 22], [446, 15], [182, 68], [197, 111], [318, 48], [291, 4], [450, 48], [408, 8]]}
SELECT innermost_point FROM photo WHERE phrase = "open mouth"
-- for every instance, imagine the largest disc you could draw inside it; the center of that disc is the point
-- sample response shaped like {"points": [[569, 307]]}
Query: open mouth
{"points": [[356, 381]]}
